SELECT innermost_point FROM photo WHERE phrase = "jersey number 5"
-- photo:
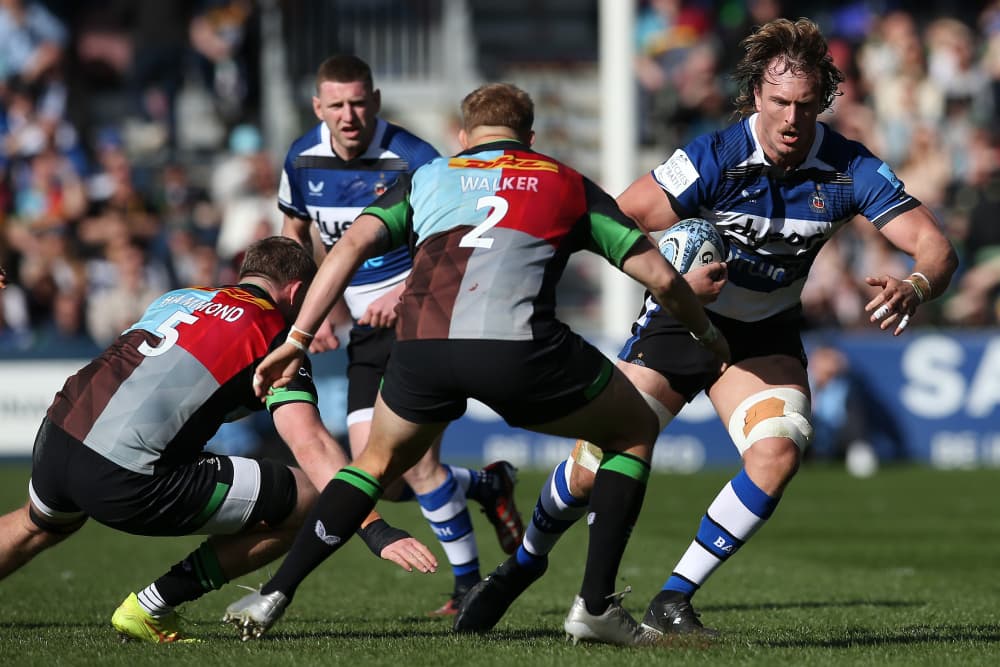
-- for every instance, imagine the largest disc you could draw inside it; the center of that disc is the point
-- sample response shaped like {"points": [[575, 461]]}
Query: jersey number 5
{"points": [[167, 329], [475, 239]]}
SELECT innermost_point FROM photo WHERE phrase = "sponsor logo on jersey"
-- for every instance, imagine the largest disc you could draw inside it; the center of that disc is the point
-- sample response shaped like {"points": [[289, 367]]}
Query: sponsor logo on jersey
{"points": [[503, 162], [885, 171], [676, 174], [316, 189]]}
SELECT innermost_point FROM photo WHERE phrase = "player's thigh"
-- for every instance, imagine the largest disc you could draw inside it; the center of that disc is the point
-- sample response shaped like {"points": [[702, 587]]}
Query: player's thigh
{"points": [[617, 419], [396, 443], [755, 376], [653, 384]]}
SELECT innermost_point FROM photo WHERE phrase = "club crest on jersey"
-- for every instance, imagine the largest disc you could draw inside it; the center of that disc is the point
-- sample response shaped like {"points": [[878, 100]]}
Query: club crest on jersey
{"points": [[316, 188], [817, 202], [380, 187]]}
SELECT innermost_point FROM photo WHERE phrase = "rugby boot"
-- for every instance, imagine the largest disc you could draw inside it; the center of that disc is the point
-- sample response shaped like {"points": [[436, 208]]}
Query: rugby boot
{"points": [[614, 626], [486, 602], [254, 614], [133, 622], [498, 505], [671, 613]]}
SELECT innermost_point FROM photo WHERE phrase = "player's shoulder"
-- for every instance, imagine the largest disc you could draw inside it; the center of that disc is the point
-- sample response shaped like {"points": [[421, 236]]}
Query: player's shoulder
{"points": [[406, 144], [838, 151], [727, 147], [307, 142]]}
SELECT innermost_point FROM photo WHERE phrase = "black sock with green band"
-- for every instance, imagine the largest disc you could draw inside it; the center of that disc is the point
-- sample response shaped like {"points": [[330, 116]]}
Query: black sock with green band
{"points": [[191, 578], [343, 505], [615, 501]]}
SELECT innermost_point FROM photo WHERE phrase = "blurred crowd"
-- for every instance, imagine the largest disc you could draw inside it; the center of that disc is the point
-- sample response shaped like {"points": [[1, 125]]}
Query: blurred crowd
{"points": [[132, 159]]}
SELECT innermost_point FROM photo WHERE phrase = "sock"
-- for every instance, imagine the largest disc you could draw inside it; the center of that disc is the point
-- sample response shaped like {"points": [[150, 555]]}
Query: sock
{"points": [[619, 488], [555, 511], [739, 510], [446, 511], [343, 505], [187, 580]]}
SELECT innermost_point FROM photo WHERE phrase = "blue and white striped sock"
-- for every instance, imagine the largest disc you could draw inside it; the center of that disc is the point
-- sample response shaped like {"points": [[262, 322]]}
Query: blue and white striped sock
{"points": [[739, 510], [446, 511]]}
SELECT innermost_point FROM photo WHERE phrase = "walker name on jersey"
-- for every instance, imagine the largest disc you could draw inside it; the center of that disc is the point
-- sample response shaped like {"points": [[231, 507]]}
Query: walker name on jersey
{"points": [[334, 221], [500, 183]]}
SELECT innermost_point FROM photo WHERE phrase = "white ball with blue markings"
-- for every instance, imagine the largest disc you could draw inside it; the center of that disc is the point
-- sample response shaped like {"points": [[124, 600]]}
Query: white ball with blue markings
{"points": [[692, 243]]}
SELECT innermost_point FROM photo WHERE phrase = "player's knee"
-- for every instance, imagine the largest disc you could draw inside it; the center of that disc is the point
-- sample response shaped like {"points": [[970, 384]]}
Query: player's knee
{"points": [[773, 413], [586, 459], [45, 528]]}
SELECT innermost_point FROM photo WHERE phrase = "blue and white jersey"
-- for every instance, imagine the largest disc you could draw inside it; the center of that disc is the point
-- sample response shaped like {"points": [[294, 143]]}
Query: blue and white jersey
{"points": [[319, 185], [775, 222]]}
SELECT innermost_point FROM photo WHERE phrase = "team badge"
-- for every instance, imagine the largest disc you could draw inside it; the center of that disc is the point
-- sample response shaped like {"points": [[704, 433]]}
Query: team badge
{"points": [[380, 186], [817, 201]]}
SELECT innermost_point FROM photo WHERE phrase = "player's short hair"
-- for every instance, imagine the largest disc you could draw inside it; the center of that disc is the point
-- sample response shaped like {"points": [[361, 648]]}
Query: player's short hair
{"points": [[343, 68], [279, 259], [799, 47], [500, 104]]}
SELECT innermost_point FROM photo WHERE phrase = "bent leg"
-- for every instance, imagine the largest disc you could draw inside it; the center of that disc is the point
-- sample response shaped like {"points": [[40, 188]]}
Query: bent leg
{"points": [[22, 538]]}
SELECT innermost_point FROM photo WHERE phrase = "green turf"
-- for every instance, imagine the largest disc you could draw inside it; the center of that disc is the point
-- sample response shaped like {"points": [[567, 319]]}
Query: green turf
{"points": [[901, 569]]}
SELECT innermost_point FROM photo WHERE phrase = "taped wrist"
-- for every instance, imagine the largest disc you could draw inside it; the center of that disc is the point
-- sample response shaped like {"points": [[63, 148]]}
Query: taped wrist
{"points": [[379, 534]]}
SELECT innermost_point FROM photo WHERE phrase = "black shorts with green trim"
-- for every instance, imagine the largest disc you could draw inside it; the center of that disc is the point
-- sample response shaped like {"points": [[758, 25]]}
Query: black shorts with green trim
{"points": [[212, 495], [367, 356], [525, 382]]}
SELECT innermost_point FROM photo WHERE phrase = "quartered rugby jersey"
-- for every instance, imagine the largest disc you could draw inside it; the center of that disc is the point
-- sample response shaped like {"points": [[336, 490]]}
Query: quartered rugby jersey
{"points": [[775, 223], [492, 229], [162, 389], [318, 185]]}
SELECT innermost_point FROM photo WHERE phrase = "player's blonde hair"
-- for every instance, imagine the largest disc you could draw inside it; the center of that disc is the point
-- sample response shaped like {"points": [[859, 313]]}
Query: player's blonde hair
{"points": [[798, 47], [499, 104]]}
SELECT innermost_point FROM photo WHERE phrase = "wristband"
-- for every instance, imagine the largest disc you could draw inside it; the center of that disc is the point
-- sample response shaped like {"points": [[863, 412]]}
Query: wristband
{"points": [[299, 338], [916, 289], [708, 336], [379, 534], [923, 289]]}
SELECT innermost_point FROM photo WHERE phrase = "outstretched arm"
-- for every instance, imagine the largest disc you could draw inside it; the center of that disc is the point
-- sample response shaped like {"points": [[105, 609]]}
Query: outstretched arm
{"points": [[918, 234], [366, 238]]}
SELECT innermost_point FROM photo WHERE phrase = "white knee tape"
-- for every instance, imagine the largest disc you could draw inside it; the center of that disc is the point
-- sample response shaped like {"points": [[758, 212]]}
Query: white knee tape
{"points": [[772, 413], [663, 416], [587, 455]]}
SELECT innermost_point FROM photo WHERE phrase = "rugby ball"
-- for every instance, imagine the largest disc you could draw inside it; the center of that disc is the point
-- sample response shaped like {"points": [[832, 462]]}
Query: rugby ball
{"points": [[692, 243]]}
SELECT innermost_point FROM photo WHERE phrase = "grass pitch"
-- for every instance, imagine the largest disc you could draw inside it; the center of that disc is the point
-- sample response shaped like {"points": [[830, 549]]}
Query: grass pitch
{"points": [[900, 569]]}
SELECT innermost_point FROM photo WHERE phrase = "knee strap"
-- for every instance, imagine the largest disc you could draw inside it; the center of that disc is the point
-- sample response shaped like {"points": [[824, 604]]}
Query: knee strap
{"points": [[773, 413]]}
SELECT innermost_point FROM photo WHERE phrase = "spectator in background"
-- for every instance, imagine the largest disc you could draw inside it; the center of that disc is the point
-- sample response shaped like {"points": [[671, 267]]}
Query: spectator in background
{"points": [[226, 42], [849, 420], [665, 30], [244, 186], [32, 44], [64, 332], [114, 309]]}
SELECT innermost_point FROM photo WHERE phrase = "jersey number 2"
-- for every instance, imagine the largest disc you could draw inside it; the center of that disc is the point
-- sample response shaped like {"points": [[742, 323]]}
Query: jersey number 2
{"points": [[475, 238], [167, 329]]}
